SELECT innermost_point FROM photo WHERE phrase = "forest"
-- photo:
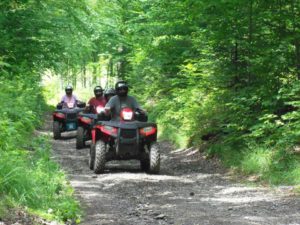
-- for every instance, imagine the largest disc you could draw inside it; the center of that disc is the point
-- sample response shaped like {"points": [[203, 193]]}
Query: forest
{"points": [[219, 75]]}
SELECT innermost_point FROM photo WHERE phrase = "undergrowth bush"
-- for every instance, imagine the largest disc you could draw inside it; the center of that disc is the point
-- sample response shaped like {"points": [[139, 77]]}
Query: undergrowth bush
{"points": [[28, 177], [252, 131]]}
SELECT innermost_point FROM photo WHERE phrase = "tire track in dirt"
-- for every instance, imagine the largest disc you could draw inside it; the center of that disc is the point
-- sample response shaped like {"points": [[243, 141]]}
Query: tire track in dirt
{"points": [[189, 190]]}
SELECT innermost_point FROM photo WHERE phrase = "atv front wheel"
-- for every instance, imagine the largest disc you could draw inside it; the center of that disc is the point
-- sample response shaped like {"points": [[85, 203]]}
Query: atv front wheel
{"points": [[100, 150], [56, 130], [92, 156], [154, 157], [145, 162], [80, 138]]}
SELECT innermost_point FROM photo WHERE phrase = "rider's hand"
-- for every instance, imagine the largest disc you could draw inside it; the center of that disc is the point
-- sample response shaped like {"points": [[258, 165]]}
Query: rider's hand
{"points": [[102, 110], [87, 108], [141, 111], [59, 105], [107, 110]]}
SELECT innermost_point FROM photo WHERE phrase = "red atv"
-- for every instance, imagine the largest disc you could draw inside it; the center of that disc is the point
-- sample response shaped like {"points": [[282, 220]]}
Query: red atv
{"points": [[86, 122], [65, 118], [125, 140]]}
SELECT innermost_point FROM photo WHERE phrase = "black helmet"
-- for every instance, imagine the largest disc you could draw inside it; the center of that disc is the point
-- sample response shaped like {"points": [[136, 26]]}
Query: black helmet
{"points": [[121, 88], [69, 89], [98, 91]]}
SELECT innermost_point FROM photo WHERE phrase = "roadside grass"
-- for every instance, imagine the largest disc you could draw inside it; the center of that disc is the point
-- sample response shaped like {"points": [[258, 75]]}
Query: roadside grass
{"points": [[32, 180], [257, 161], [171, 133], [276, 166], [29, 179], [284, 169], [4, 206]]}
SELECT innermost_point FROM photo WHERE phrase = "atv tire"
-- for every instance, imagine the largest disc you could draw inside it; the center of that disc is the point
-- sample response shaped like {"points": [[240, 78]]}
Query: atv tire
{"points": [[92, 156], [145, 162], [154, 158], [80, 142], [56, 130], [100, 150]]}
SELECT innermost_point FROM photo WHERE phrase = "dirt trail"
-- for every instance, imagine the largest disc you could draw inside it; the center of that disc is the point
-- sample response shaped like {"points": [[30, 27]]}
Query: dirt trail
{"points": [[188, 191]]}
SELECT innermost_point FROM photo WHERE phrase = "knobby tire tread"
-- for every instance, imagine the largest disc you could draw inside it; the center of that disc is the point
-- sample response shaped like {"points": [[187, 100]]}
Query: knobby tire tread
{"points": [[80, 138], [99, 157], [56, 130], [154, 159]]}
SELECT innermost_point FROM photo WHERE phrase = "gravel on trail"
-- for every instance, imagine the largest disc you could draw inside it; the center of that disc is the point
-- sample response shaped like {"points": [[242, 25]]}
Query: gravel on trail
{"points": [[189, 190]]}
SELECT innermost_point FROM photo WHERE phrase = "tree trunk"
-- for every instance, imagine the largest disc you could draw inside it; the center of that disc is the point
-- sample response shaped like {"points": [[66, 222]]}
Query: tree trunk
{"points": [[297, 55], [94, 75], [297, 39], [84, 76], [250, 21], [250, 41]]}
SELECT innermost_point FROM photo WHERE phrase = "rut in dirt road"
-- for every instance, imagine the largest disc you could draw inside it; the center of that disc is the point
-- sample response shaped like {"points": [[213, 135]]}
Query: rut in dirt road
{"points": [[189, 190]]}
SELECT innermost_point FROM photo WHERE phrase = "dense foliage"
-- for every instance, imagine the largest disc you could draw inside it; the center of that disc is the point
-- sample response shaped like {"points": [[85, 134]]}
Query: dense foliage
{"points": [[34, 36], [222, 75], [27, 175]]}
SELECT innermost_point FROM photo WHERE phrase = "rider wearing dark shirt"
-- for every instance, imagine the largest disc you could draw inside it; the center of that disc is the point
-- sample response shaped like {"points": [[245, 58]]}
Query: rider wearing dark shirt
{"points": [[120, 101]]}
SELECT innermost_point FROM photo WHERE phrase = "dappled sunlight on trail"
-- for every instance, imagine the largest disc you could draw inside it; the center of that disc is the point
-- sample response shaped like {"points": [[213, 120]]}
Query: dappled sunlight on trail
{"points": [[189, 190]]}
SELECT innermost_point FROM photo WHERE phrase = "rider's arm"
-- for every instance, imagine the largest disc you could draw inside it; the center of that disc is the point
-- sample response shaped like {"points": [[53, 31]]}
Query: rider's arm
{"points": [[61, 103], [137, 106], [90, 101], [135, 103], [88, 107], [75, 99], [109, 106], [62, 100]]}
